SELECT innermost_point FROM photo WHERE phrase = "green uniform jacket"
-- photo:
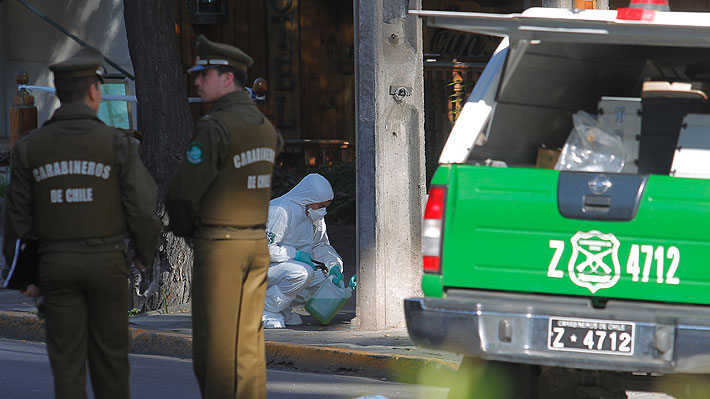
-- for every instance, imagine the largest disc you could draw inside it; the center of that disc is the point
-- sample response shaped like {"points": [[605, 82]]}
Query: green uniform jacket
{"points": [[78, 185], [223, 186]]}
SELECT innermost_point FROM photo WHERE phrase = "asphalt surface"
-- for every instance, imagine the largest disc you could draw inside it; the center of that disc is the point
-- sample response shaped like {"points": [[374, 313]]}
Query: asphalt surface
{"points": [[334, 349], [25, 374]]}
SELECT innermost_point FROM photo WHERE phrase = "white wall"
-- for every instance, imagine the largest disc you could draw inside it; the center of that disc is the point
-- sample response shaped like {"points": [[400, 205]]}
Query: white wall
{"points": [[33, 44]]}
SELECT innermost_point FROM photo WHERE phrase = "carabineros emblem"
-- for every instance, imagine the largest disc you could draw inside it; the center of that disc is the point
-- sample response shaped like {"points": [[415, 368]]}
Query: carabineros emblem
{"points": [[194, 154], [594, 263]]}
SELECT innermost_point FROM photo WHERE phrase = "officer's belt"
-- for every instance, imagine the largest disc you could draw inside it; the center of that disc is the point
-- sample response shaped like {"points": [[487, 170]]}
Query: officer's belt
{"points": [[84, 245], [210, 232]]}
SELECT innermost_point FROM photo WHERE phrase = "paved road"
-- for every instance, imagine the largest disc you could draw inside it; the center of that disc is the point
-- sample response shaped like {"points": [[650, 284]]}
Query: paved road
{"points": [[25, 374]]}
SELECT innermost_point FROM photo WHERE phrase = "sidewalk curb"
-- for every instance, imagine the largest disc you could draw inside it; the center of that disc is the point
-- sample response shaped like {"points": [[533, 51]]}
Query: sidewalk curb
{"points": [[327, 359], [306, 358], [20, 325], [160, 343]]}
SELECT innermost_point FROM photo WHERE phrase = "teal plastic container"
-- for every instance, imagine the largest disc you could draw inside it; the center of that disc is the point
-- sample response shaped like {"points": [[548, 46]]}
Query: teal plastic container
{"points": [[328, 300]]}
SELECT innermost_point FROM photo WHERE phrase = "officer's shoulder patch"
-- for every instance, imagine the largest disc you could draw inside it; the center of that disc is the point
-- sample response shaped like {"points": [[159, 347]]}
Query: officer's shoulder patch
{"points": [[194, 153]]}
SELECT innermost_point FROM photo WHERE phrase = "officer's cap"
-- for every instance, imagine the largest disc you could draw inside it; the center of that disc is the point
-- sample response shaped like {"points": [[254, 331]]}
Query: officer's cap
{"points": [[211, 55], [84, 63]]}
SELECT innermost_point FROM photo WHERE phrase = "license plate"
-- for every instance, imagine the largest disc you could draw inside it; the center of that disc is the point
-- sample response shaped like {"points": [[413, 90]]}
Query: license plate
{"points": [[591, 336]]}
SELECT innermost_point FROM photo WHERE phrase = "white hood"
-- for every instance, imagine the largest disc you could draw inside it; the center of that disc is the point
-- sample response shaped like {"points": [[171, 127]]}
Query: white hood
{"points": [[311, 189]]}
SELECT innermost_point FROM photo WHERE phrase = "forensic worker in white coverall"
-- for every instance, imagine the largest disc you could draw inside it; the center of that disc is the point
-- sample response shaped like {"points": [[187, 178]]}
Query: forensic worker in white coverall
{"points": [[297, 241]]}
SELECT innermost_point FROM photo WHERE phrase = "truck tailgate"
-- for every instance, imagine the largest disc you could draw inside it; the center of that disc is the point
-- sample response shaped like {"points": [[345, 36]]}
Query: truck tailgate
{"points": [[508, 234]]}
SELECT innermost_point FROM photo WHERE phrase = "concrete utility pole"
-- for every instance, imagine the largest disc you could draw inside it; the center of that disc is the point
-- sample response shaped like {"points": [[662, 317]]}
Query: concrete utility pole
{"points": [[389, 113]]}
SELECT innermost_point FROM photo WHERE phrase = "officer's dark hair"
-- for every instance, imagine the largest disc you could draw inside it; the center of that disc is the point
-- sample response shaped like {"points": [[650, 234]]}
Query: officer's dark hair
{"points": [[73, 90], [240, 75]]}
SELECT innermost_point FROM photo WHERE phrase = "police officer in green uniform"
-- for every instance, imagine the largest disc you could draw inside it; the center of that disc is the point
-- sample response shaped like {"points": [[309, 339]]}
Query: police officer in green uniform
{"points": [[78, 186], [220, 197]]}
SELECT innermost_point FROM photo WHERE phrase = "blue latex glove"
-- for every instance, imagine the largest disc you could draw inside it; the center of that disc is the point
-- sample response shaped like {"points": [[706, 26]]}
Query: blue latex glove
{"points": [[305, 257], [353, 281], [335, 271]]}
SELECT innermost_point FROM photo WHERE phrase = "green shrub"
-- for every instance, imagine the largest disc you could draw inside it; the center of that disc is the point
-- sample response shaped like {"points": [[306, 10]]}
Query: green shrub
{"points": [[340, 175]]}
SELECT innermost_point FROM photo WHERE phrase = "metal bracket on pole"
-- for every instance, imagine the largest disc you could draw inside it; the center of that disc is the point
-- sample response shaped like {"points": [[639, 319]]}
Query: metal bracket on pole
{"points": [[399, 92]]}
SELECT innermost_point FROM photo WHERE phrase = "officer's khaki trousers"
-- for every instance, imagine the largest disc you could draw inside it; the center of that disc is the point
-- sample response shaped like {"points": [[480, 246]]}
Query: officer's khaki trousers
{"points": [[228, 288], [86, 304]]}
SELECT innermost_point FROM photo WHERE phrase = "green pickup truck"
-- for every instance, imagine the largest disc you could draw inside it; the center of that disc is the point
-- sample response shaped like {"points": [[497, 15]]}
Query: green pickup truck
{"points": [[577, 270]]}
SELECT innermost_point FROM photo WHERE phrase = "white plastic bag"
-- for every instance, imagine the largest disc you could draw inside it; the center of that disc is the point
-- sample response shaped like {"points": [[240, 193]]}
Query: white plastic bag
{"points": [[589, 148]]}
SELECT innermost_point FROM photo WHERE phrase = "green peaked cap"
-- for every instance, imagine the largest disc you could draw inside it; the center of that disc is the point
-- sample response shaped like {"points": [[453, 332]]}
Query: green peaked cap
{"points": [[211, 55], [84, 63]]}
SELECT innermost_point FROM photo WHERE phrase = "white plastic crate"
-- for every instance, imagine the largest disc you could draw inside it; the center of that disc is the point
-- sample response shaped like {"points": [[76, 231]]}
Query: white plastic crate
{"points": [[692, 154], [623, 116]]}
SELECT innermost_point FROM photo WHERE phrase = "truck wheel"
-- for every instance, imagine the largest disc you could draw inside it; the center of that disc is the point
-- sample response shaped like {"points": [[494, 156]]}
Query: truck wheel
{"points": [[481, 379]]}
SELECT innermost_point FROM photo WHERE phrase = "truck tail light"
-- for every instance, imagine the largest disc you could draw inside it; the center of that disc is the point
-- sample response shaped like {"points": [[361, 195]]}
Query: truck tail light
{"points": [[642, 10], [432, 229]]}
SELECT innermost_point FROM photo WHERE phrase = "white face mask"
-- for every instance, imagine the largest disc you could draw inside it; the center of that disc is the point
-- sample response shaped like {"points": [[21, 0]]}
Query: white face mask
{"points": [[316, 214]]}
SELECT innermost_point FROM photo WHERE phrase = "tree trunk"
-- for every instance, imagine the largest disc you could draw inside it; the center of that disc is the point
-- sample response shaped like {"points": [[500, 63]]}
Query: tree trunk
{"points": [[166, 123]]}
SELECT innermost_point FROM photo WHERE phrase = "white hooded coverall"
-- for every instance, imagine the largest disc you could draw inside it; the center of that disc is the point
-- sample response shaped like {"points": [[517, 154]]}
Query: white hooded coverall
{"points": [[289, 229]]}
